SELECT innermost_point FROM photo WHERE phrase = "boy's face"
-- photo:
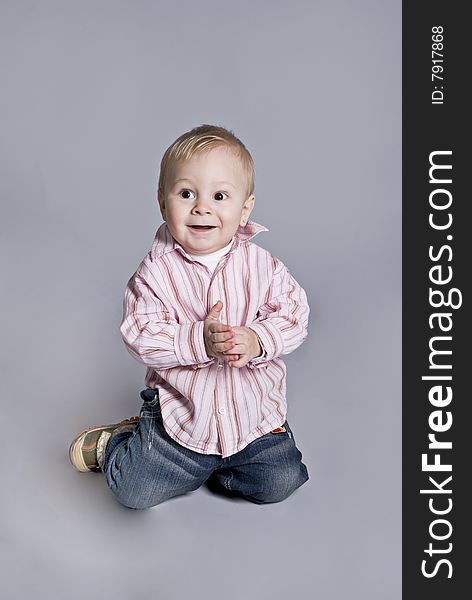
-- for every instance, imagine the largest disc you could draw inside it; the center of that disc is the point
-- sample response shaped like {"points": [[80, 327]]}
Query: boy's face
{"points": [[205, 200]]}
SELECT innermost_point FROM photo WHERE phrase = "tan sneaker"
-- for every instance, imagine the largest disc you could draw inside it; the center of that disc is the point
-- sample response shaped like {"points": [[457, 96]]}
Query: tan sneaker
{"points": [[87, 451]]}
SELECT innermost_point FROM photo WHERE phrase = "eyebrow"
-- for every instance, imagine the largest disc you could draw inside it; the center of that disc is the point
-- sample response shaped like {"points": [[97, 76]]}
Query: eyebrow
{"points": [[213, 183]]}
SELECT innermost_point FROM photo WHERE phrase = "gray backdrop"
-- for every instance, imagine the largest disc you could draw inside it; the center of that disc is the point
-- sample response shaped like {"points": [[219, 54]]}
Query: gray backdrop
{"points": [[92, 94]]}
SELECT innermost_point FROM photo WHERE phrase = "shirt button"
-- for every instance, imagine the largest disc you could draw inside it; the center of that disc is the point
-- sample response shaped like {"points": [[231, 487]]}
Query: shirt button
{"points": [[220, 365], [222, 410]]}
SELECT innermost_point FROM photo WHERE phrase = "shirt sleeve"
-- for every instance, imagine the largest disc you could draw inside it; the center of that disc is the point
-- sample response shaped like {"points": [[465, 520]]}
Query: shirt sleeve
{"points": [[281, 323], [153, 337]]}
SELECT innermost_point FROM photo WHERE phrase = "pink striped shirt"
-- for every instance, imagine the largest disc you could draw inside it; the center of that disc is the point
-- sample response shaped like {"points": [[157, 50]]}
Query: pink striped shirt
{"points": [[206, 405]]}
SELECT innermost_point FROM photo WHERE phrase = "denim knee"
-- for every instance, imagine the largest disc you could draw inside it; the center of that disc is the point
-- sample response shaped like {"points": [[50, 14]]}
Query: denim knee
{"points": [[140, 497], [137, 502], [133, 489], [279, 485]]}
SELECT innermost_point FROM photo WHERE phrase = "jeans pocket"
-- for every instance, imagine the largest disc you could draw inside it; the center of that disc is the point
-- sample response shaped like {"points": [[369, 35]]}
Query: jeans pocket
{"points": [[280, 432]]}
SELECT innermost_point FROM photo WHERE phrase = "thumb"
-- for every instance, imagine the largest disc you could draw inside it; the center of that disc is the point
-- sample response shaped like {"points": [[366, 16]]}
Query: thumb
{"points": [[215, 311]]}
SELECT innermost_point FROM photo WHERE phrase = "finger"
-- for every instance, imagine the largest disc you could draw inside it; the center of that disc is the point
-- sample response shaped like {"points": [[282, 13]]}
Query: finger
{"points": [[229, 357], [223, 346], [217, 327], [222, 337], [237, 364], [215, 311]]}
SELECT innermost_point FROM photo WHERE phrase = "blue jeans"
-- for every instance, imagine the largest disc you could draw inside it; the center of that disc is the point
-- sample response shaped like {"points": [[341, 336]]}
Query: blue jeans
{"points": [[146, 466]]}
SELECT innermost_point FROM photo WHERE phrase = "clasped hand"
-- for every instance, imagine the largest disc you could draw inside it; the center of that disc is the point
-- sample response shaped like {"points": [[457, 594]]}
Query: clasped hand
{"points": [[236, 345]]}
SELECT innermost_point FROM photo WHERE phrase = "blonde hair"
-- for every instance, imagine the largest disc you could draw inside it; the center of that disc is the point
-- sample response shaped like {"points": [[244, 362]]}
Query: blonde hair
{"points": [[204, 138]]}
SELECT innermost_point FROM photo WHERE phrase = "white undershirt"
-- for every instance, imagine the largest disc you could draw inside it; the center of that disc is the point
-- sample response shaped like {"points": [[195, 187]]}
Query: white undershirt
{"points": [[212, 259]]}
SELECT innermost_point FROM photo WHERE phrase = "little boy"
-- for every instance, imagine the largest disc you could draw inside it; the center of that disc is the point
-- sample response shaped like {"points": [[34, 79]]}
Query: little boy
{"points": [[209, 313]]}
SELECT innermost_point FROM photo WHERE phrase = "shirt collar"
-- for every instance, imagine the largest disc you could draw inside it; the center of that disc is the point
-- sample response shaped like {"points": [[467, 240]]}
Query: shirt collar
{"points": [[164, 242]]}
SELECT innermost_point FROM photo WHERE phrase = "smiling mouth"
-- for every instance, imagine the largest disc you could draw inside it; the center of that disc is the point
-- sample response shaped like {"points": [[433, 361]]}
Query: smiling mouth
{"points": [[202, 227]]}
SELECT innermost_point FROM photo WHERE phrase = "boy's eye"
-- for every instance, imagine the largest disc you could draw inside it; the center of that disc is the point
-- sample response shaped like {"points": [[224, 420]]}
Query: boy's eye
{"points": [[189, 195]]}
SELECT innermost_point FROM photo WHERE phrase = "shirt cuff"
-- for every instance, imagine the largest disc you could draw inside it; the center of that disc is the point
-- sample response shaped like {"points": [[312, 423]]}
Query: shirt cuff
{"points": [[270, 340], [190, 346]]}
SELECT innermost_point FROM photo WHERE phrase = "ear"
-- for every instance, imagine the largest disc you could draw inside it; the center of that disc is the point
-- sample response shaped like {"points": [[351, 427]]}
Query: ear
{"points": [[161, 202], [247, 209]]}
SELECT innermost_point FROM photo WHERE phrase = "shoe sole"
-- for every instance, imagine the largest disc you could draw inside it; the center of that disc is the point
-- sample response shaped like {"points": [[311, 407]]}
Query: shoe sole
{"points": [[76, 456]]}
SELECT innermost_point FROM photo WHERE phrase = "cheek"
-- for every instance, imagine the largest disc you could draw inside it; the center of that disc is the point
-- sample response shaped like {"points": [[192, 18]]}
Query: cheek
{"points": [[174, 216], [232, 221]]}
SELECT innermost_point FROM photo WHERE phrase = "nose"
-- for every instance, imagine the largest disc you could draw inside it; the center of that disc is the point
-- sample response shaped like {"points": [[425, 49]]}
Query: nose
{"points": [[201, 207]]}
